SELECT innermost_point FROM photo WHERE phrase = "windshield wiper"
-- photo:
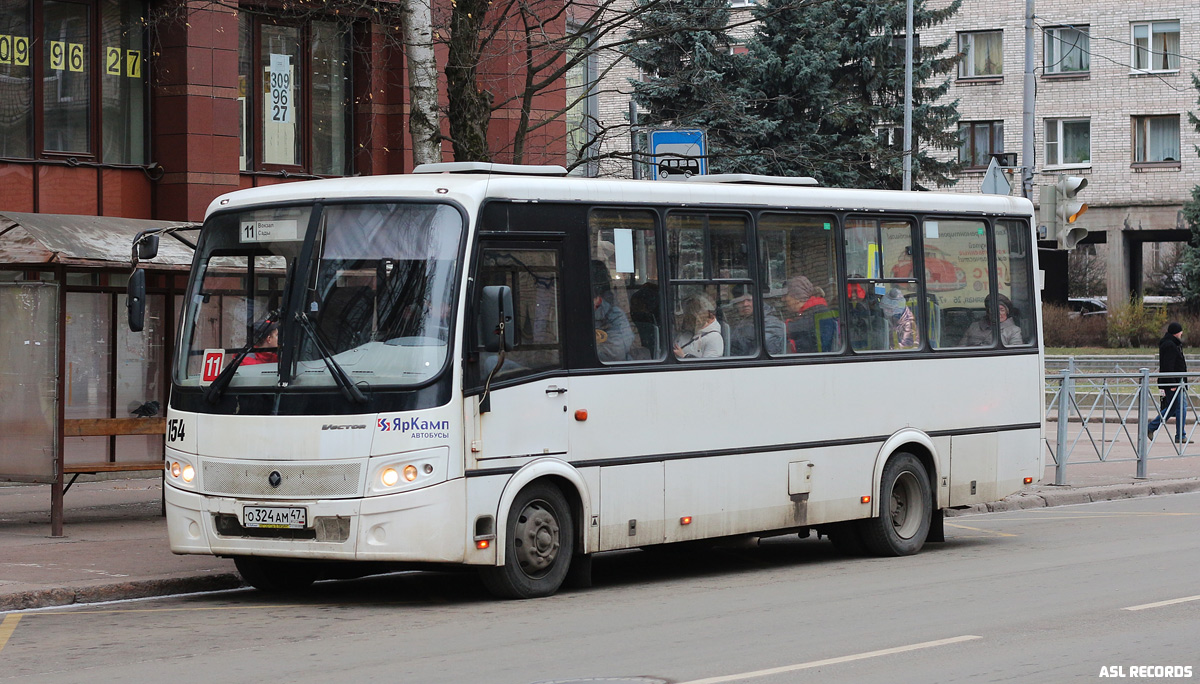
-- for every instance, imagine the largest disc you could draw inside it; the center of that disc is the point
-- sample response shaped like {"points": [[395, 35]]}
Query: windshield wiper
{"points": [[340, 377], [213, 392]]}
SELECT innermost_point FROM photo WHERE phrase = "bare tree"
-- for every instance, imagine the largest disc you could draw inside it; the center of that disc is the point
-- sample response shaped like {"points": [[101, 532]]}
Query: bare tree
{"points": [[1086, 272]]}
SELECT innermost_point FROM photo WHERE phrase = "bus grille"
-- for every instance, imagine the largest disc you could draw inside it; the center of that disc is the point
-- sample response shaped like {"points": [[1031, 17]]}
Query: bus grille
{"points": [[296, 481]]}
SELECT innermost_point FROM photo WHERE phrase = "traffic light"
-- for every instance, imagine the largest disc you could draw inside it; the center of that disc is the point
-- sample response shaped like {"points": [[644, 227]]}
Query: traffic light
{"points": [[1059, 210], [1067, 210]]}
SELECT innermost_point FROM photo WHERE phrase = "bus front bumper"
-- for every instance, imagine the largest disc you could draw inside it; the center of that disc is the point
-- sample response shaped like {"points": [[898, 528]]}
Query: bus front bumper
{"points": [[425, 525]]}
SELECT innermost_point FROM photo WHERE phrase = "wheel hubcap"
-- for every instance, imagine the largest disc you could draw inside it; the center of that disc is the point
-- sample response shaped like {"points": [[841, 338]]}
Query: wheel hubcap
{"points": [[906, 505], [536, 540]]}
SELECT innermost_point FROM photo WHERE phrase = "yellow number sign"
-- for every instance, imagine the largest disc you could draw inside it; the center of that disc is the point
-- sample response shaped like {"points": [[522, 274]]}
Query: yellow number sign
{"points": [[6, 49], [20, 51], [133, 63], [112, 61], [75, 58], [58, 55]]}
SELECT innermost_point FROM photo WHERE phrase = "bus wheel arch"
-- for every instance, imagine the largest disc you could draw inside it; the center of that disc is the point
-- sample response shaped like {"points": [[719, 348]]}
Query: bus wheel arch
{"points": [[539, 530], [904, 504]]}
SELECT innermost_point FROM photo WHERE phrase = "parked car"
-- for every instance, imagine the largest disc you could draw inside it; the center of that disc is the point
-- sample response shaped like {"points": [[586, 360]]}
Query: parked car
{"points": [[1087, 306], [940, 273]]}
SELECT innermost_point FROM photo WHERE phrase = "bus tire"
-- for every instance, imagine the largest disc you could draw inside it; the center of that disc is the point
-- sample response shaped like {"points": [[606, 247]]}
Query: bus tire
{"points": [[274, 575], [905, 509], [538, 546]]}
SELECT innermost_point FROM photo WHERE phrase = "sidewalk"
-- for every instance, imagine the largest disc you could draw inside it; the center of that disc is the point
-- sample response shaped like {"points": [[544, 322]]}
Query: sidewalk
{"points": [[116, 541]]}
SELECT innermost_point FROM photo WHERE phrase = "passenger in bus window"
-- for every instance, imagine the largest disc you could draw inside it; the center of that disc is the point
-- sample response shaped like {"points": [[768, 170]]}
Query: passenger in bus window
{"points": [[902, 320], [744, 335], [268, 332], [806, 302], [980, 334], [699, 331], [614, 335]]}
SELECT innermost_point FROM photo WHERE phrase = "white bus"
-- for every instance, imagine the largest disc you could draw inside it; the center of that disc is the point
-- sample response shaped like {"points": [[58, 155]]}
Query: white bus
{"points": [[507, 368]]}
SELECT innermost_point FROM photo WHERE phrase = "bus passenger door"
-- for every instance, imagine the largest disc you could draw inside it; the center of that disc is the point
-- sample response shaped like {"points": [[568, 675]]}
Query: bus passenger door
{"points": [[527, 400]]}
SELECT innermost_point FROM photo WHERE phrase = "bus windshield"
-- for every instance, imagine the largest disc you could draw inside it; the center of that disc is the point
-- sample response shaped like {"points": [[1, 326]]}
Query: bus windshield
{"points": [[376, 302]]}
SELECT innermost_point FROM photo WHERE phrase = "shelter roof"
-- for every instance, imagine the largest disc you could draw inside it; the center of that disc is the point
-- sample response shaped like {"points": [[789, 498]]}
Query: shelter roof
{"points": [[96, 241]]}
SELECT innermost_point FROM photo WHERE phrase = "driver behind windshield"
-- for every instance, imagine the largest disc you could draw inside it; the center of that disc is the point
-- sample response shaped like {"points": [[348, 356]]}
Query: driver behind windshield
{"points": [[267, 332]]}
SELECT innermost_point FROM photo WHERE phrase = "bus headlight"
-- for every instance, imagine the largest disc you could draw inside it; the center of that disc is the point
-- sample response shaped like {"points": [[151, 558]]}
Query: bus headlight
{"points": [[180, 471], [389, 477], [407, 471]]}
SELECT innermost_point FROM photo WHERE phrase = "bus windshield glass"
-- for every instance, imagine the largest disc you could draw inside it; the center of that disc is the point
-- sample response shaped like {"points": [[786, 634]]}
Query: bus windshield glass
{"points": [[377, 296]]}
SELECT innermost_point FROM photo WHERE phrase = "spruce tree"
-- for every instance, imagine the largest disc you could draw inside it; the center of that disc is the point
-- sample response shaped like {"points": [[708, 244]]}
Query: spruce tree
{"points": [[692, 79], [830, 72]]}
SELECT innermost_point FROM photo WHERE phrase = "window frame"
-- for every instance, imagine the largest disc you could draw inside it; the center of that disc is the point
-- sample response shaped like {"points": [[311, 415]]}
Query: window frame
{"points": [[304, 130], [94, 69], [965, 54], [970, 127], [1051, 39], [588, 104], [1058, 123], [1140, 128], [1149, 49]]}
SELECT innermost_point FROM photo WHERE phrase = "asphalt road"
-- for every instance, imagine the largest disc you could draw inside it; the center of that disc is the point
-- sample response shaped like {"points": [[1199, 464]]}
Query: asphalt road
{"points": [[1040, 595]]}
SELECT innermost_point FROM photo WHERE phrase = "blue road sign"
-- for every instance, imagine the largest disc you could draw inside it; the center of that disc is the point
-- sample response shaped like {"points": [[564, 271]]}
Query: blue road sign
{"points": [[678, 154]]}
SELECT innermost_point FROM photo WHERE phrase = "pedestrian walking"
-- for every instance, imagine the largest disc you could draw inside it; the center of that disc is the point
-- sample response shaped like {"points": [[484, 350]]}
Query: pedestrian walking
{"points": [[1174, 401]]}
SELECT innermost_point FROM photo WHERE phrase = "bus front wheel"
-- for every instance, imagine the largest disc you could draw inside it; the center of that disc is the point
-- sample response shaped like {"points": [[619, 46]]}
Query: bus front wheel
{"points": [[275, 575], [905, 509], [539, 544]]}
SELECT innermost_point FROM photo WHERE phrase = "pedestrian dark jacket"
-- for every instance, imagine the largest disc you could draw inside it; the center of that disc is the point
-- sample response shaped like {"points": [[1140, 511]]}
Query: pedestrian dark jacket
{"points": [[1171, 360]]}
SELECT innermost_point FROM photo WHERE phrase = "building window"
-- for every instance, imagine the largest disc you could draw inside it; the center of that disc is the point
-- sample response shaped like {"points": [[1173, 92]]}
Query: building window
{"points": [[1067, 50], [1068, 142], [1155, 139], [1156, 46], [294, 88], [582, 109], [85, 75], [981, 54], [978, 141]]}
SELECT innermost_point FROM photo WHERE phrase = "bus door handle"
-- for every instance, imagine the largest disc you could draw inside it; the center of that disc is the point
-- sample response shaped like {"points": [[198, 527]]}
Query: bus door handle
{"points": [[555, 389]]}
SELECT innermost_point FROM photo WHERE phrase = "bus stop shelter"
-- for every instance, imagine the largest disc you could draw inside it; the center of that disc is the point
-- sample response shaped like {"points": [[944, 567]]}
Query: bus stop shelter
{"points": [[81, 393]]}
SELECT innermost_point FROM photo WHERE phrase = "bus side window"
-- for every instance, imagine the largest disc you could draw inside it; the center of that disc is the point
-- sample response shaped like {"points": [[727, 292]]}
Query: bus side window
{"points": [[799, 280], [623, 277]]}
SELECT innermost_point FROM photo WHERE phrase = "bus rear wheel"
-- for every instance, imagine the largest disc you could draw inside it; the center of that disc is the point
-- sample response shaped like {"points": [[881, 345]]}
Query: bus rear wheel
{"points": [[276, 575], [905, 509], [538, 547]]}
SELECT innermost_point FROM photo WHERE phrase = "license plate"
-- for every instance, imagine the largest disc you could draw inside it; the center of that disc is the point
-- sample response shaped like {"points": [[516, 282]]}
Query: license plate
{"points": [[275, 517]]}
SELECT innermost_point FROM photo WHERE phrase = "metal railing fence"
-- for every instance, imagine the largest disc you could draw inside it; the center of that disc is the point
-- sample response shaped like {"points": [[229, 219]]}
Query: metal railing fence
{"points": [[1108, 414]]}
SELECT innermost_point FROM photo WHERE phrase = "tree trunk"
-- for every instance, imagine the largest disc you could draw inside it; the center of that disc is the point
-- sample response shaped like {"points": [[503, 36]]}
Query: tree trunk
{"points": [[470, 109], [423, 124]]}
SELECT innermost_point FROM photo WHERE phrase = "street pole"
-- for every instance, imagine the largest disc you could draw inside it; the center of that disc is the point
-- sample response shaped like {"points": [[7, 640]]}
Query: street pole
{"points": [[1027, 109], [908, 88], [633, 141]]}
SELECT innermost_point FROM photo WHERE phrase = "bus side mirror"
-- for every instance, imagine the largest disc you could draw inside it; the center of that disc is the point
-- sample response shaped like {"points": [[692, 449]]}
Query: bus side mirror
{"points": [[135, 300], [496, 318], [148, 247]]}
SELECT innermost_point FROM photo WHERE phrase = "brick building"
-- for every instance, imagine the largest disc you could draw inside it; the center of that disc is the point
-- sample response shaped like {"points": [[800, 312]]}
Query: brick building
{"points": [[122, 108], [1113, 84]]}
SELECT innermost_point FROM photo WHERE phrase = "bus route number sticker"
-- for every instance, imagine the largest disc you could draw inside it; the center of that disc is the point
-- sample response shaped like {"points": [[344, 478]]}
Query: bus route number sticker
{"points": [[269, 231], [214, 359]]}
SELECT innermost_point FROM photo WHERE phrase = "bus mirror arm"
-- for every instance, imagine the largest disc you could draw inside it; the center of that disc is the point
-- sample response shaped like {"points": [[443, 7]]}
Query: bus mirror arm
{"points": [[135, 300], [496, 313]]}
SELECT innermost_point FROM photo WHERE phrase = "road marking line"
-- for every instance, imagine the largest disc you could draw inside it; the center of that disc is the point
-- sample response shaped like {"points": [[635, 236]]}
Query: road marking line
{"points": [[7, 627], [976, 529], [1159, 604], [833, 661]]}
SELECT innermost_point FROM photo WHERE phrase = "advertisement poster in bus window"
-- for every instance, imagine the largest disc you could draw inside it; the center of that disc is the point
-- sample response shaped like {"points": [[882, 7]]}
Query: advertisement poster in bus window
{"points": [[956, 263]]}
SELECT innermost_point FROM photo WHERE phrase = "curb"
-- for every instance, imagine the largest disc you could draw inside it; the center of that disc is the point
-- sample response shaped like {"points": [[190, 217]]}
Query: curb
{"points": [[66, 596], [1067, 496]]}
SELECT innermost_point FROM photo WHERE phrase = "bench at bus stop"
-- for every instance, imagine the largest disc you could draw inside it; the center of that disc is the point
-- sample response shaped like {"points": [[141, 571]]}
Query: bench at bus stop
{"points": [[111, 427]]}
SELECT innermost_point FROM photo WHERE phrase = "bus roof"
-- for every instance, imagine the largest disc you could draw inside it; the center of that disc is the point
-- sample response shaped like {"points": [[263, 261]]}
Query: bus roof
{"points": [[471, 189]]}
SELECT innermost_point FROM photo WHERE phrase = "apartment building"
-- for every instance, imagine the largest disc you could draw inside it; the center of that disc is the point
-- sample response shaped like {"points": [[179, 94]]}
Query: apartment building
{"points": [[1113, 93]]}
